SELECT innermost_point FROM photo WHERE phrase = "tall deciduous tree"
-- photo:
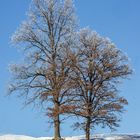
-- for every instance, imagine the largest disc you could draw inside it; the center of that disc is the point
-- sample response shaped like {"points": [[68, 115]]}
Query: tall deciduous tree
{"points": [[46, 39], [99, 67]]}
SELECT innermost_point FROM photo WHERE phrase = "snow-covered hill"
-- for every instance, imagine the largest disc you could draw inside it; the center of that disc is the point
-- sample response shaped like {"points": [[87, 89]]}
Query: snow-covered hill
{"points": [[96, 137]]}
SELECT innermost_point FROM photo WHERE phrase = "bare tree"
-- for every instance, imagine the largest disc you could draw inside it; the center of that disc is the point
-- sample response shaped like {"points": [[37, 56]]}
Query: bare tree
{"points": [[46, 40], [99, 67]]}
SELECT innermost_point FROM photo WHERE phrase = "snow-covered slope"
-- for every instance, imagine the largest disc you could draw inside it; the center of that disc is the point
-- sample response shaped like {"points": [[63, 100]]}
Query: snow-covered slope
{"points": [[108, 137], [96, 137], [22, 137]]}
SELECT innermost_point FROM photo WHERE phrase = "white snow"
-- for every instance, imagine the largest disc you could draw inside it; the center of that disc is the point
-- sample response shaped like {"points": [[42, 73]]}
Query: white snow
{"points": [[95, 137]]}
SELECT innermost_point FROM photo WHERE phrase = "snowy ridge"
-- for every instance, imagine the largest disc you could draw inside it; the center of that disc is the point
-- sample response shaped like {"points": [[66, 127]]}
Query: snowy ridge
{"points": [[108, 137], [95, 137], [22, 137]]}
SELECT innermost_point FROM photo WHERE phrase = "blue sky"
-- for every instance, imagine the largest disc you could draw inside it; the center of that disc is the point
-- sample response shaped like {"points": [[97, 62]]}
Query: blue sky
{"points": [[117, 19]]}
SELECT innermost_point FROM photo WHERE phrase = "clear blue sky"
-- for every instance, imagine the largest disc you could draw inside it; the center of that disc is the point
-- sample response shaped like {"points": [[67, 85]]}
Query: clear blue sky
{"points": [[117, 19]]}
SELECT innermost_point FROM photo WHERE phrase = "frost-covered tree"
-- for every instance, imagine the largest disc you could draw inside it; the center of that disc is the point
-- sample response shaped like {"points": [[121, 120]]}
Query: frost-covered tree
{"points": [[45, 37], [99, 67]]}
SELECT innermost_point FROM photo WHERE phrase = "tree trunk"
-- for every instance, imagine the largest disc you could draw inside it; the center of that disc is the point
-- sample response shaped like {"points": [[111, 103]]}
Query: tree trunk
{"points": [[57, 128], [57, 135], [88, 129]]}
